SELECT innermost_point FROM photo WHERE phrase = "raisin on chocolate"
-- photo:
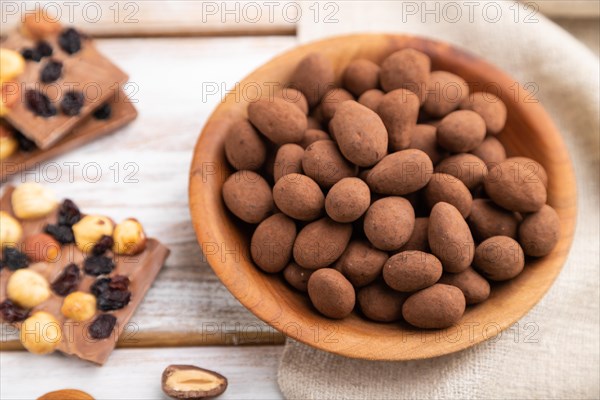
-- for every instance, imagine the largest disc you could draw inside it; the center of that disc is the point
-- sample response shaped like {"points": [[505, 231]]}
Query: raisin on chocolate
{"points": [[68, 213], [51, 71], [31, 54], [103, 112], [71, 103], [70, 41], [44, 48], [98, 265], [25, 144], [13, 259], [67, 281], [63, 234], [39, 103], [10, 312], [111, 293], [103, 245], [102, 326]]}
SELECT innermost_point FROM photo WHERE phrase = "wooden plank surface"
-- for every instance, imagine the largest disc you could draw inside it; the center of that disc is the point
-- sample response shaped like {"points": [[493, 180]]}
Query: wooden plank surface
{"points": [[142, 171], [127, 18], [135, 373]]}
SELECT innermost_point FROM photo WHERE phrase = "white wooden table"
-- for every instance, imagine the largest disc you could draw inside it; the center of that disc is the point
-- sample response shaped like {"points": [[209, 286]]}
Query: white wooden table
{"points": [[187, 317]]}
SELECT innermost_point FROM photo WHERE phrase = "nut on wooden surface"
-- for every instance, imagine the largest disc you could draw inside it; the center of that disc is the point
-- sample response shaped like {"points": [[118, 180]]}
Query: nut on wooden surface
{"points": [[191, 382], [66, 394]]}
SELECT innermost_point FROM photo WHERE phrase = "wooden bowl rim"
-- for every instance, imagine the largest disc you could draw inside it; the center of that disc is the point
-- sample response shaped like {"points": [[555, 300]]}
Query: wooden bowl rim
{"points": [[203, 207]]}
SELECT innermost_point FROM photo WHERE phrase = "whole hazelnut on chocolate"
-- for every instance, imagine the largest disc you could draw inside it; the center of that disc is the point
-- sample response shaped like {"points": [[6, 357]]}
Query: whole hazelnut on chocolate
{"points": [[90, 229], [79, 306], [11, 231], [41, 333], [41, 247], [27, 288]]}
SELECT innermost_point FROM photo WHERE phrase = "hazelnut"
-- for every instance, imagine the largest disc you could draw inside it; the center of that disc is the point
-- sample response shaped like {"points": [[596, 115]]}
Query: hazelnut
{"points": [[90, 229], [79, 306], [8, 144], [41, 333], [32, 200], [11, 93], [129, 237], [191, 382], [12, 64], [27, 288], [41, 247], [11, 231]]}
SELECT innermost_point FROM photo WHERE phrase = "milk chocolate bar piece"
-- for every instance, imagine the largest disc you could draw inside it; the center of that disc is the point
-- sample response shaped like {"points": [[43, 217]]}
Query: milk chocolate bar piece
{"points": [[86, 71], [141, 270], [122, 113]]}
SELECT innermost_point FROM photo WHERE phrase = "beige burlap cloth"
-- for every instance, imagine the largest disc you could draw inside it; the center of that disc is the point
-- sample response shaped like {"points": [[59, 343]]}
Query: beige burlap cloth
{"points": [[562, 360]]}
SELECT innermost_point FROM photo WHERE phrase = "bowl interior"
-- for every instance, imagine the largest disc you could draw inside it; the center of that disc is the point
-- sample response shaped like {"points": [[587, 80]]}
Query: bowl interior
{"points": [[225, 240]]}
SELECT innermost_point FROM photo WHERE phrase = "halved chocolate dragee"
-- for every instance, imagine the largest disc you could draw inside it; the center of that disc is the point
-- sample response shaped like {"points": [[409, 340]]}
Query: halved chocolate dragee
{"points": [[65, 79], [111, 116], [77, 277]]}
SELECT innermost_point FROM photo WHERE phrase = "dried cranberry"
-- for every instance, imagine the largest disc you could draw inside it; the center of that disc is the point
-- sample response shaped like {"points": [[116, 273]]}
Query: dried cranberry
{"points": [[39, 103], [103, 112], [72, 102], [111, 293], [31, 54], [14, 259], [25, 144], [105, 243], [67, 281], [10, 312], [51, 71], [44, 48], [98, 265], [68, 213], [70, 41], [63, 234], [102, 326]]}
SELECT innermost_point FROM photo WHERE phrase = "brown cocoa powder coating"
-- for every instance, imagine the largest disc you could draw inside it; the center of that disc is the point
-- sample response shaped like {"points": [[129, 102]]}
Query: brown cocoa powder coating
{"points": [[361, 75], [320, 243], [474, 286], [295, 97], [313, 122], [389, 223], [331, 101], [533, 168], [406, 69], [323, 162], [401, 173], [418, 240], [248, 196], [499, 258], [280, 121], [447, 188], [288, 160], [423, 137], [461, 131], [331, 293], [437, 307], [487, 220], [399, 110], [449, 237], [297, 276], [272, 242], [380, 303], [361, 263], [312, 135], [348, 200], [514, 187], [359, 133], [371, 99], [470, 169], [539, 232], [299, 197], [412, 270], [490, 151], [244, 147], [313, 76], [490, 107], [445, 91]]}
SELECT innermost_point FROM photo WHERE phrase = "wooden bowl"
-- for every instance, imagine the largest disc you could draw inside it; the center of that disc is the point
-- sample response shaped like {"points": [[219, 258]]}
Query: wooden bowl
{"points": [[225, 241]]}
